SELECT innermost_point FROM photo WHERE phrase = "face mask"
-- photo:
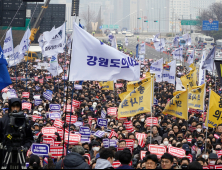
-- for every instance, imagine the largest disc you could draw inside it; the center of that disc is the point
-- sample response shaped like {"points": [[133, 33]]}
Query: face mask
{"points": [[108, 120], [174, 164], [180, 138], [44, 104], [142, 120], [171, 135], [96, 149], [212, 162], [184, 166], [217, 149], [40, 109], [135, 146], [138, 126], [183, 130], [165, 143], [199, 142], [198, 130]]}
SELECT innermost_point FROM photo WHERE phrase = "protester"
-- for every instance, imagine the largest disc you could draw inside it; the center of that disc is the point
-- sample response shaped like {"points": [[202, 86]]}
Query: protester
{"points": [[103, 146]]}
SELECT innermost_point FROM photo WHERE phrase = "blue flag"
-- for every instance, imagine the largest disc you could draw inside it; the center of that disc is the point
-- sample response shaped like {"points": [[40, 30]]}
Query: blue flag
{"points": [[2, 57], [137, 51], [5, 79]]}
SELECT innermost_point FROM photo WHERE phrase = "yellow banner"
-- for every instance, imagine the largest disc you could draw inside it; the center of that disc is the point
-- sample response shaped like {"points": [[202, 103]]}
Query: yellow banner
{"points": [[190, 79], [196, 97], [137, 101], [148, 74], [134, 84], [192, 66], [178, 106], [123, 95], [107, 85], [215, 110]]}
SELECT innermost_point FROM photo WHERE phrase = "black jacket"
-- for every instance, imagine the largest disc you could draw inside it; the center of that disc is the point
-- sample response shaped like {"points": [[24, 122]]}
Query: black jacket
{"points": [[5, 129], [72, 161]]}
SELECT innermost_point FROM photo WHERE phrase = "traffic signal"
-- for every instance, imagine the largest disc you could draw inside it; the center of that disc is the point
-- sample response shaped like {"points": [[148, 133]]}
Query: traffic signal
{"points": [[138, 18], [146, 21], [155, 21]]}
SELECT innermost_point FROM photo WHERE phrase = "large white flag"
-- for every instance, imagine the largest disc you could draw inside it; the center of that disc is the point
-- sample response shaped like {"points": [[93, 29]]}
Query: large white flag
{"points": [[142, 48], [191, 57], [160, 45], [54, 68], [25, 42], [202, 72], [178, 53], [15, 58], [8, 43], [54, 41], [157, 67], [126, 41], [41, 44], [94, 60]]}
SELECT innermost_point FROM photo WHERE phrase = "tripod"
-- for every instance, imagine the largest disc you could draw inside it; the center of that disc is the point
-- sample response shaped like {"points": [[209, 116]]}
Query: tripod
{"points": [[16, 157]]}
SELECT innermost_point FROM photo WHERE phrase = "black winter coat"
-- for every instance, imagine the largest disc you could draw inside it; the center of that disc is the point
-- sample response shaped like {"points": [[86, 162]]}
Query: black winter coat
{"points": [[72, 161]]}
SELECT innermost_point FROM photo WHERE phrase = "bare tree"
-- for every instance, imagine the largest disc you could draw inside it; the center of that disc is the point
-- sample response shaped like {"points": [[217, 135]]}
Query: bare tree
{"points": [[88, 16], [214, 12]]}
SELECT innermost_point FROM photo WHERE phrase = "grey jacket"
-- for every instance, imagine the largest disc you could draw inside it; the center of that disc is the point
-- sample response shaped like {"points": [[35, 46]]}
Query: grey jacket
{"points": [[102, 164], [158, 138]]}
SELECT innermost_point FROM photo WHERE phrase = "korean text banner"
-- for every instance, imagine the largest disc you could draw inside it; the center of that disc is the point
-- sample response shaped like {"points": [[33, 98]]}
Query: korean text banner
{"points": [[196, 97], [189, 79], [134, 84], [123, 95], [178, 106], [8, 43], [107, 85], [94, 60], [215, 110], [138, 101]]}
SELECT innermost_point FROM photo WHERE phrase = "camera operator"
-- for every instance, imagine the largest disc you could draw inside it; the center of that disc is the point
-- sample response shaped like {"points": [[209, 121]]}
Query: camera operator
{"points": [[15, 106]]}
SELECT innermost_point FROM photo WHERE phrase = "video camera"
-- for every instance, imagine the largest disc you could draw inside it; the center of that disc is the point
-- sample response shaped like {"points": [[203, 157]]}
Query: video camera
{"points": [[17, 125]]}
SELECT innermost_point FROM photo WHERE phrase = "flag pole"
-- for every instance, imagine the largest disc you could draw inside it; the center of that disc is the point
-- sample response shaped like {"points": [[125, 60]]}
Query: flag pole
{"points": [[187, 104], [151, 103], [205, 82], [70, 114], [208, 116]]}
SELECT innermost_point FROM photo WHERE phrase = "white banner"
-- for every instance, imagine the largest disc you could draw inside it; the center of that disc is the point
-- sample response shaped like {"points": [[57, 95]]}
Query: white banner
{"points": [[202, 72], [155, 39], [187, 38], [94, 60], [178, 53], [126, 41], [25, 42], [179, 85], [54, 67], [169, 73], [142, 48], [160, 45], [8, 43], [157, 67], [191, 57], [15, 58], [54, 41], [176, 41]]}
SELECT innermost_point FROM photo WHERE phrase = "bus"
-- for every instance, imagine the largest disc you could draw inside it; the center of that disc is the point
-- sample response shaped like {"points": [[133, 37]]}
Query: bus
{"points": [[182, 41], [207, 41], [219, 44]]}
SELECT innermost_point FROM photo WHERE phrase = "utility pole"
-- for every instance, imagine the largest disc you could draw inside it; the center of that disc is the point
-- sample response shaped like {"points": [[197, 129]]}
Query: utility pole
{"points": [[182, 25], [190, 24], [142, 21]]}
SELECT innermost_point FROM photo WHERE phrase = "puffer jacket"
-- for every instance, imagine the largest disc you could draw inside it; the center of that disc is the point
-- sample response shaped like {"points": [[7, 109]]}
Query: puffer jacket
{"points": [[72, 161]]}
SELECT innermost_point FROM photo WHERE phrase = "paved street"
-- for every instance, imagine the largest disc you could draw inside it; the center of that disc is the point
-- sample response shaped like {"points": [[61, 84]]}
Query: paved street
{"points": [[151, 53]]}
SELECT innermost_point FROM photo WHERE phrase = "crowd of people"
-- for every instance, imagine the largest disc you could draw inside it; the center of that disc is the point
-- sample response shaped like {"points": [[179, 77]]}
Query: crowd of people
{"points": [[202, 146]]}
